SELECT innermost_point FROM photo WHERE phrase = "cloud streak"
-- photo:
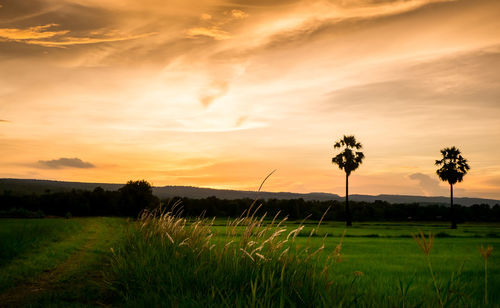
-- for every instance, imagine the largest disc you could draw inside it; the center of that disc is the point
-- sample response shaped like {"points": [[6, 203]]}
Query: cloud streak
{"points": [[31, 33], [68, 41], [42, 36], [212, 32]]}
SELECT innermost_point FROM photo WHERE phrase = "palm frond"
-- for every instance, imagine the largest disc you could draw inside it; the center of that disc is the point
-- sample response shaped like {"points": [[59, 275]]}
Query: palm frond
{"points": [[348, 160], [453, 165]]}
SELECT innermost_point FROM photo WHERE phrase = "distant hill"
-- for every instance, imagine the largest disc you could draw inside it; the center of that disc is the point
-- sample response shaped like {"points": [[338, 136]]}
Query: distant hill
{"points": [[197, 192], [41, 186]]}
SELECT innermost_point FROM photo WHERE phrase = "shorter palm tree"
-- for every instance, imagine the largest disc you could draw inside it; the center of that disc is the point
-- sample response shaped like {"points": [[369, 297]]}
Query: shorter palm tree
{"points": [[453, 168], [348, 160]]}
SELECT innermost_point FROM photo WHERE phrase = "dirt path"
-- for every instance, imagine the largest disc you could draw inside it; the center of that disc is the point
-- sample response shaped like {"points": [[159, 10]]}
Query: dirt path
{"points": [[61, 279]]}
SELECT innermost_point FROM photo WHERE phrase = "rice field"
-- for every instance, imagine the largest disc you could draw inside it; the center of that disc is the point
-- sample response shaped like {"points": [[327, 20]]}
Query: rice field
{"points": [[252, 261]]}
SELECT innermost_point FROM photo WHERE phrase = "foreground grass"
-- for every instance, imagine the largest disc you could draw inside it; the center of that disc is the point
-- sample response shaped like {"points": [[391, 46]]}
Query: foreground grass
{"points": [[68, 262], [170, 262], [248, 262]]}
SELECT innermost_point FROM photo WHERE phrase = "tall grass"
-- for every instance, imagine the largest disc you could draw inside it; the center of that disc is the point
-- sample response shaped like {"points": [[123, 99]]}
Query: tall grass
{"points": [[168, 260], [451, 293], [485, 253], [425, 245]]}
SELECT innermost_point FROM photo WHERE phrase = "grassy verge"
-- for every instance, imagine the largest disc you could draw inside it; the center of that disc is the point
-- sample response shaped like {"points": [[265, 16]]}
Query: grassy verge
{"points": [[18, 236], [35, 246], [66, 271]]}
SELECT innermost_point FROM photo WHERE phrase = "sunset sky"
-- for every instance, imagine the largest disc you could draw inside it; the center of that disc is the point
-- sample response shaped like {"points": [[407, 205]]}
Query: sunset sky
{"points": [[219, 93]]}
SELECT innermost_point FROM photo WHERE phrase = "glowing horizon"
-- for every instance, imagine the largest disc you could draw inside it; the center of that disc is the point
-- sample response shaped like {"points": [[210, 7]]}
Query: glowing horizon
{"points": [[217, 93]]}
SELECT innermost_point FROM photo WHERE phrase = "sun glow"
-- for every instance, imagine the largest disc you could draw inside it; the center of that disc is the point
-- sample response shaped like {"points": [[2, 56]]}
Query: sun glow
{"points": [[218, 93]]}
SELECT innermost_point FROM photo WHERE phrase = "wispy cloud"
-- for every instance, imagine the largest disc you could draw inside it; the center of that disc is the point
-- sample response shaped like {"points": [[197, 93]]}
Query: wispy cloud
{"points": [[217, 27], [213, 91], [237, 14], [64, 163], [31, 33], [44, 36], [241, 120], [67, 41], [212, 32]]}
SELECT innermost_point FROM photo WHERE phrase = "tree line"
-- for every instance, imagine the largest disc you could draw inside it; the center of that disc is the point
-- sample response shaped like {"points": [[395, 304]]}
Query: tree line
{"points": [[135, 196], [298, 209], [128, 201]]}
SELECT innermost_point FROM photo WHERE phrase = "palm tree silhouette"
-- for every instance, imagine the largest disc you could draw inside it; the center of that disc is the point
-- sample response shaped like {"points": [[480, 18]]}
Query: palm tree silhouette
{"points": [[348, 160], [453, 168]]}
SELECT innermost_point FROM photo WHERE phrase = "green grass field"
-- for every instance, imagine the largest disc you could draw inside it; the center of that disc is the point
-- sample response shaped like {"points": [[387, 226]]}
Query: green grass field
{"points": [[69, 262], [55, 262]]}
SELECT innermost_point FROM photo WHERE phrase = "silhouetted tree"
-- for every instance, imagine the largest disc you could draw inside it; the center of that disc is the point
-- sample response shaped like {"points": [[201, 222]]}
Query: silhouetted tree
{"points": [[348, 160], [453, 168], [135, 196]]}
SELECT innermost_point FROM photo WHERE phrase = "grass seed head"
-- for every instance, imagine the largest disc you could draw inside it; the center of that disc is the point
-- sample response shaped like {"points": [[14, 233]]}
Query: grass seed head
{"points": [[260, 256], [485, 252], [358, 273], [424, 243]]}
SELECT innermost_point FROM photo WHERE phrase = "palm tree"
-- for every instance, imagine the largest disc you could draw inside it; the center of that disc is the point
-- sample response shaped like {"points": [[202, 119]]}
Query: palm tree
{"points": [[453, 168], [348, 160]]}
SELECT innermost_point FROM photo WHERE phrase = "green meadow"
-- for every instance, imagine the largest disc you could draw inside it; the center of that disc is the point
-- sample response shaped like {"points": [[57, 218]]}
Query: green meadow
{"points": [[166, 261], [55, 261]]}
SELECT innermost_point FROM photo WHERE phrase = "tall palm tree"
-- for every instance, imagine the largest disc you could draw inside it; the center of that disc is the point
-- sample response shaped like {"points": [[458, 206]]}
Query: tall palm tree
{"points": [[348, 160], [453, 168]]}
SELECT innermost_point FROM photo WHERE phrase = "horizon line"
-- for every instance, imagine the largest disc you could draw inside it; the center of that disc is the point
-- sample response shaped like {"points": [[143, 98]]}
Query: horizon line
{"points": [[255, 191]]}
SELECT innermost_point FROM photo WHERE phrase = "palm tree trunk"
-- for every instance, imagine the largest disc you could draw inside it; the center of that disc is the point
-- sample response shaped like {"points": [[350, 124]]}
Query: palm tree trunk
{"points": [[348, 221], [452, 209]]}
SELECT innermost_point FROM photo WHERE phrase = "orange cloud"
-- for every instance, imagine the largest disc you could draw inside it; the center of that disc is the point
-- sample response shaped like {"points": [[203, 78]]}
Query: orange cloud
{"points": [[37, 32], [212, 32], [212, 92], [216, 29], [205, 16], [68, 41], [42, 36], [238, 14]]}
